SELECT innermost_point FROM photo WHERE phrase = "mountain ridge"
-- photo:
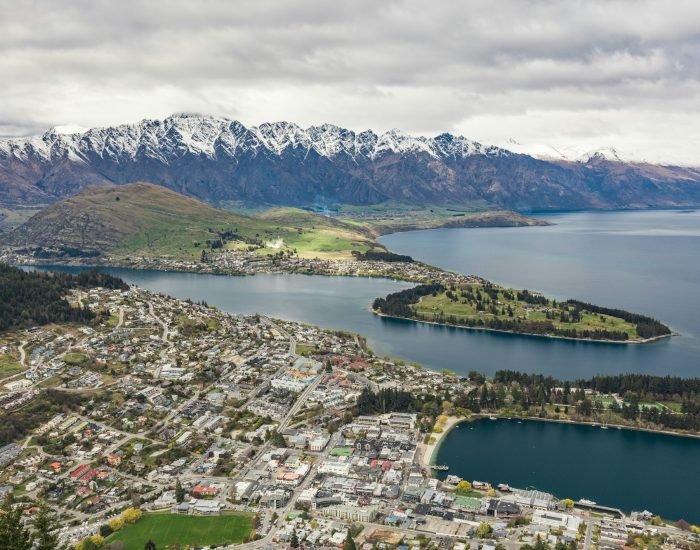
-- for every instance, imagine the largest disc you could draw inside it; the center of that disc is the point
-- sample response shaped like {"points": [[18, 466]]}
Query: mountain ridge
{"points": [[216, 159]]}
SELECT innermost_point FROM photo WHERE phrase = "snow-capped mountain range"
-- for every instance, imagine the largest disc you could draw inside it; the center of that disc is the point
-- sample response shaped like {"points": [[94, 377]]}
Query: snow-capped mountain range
{"points": [[218, 159], [215, 137]]}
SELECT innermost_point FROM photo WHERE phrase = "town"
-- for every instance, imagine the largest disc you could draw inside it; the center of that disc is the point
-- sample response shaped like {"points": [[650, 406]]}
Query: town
{"points": [[249, 262], [166, 410]]}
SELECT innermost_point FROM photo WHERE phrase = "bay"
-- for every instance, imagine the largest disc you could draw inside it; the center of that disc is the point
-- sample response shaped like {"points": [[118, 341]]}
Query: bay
{"points": [[626, 469]]}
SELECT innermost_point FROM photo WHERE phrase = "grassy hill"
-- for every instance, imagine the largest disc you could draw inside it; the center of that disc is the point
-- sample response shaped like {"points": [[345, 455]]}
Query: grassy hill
{"points": [[142, 219]]}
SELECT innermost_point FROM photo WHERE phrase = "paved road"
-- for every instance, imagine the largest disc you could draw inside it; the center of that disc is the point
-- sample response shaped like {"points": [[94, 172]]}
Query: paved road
{"points": [[292, 341], [121, 317], [589, 534], [158, 320], [283, 512], [23, 354]]}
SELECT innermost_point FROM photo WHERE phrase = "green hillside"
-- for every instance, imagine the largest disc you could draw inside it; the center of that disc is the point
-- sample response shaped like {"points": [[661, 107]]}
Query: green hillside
{"points": [[142, 219], [313, 234]]}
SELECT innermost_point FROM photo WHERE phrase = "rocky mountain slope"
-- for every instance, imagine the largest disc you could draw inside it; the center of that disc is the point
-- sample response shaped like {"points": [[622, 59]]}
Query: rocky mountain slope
{"points": [[216, 159]]}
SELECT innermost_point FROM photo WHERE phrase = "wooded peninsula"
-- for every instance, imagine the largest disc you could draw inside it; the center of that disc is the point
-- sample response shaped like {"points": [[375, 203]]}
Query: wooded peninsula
{"points": [[491, 307]]}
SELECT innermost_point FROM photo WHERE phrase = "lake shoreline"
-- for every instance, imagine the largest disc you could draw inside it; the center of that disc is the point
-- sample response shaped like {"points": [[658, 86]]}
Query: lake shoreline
{"points": [[430, 450], [535, 474], [529, 334], [455, 421]]}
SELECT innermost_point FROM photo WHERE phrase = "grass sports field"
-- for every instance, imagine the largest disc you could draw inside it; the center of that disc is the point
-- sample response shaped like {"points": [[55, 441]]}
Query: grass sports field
{"points": [[171, 530]]}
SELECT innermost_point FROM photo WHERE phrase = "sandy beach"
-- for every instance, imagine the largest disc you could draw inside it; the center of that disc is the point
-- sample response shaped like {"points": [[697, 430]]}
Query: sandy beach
{"points": [[426, 451]]}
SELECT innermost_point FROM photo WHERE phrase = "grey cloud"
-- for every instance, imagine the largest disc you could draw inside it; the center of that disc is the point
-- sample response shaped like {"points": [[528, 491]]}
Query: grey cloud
{"points": [[421, 66]]}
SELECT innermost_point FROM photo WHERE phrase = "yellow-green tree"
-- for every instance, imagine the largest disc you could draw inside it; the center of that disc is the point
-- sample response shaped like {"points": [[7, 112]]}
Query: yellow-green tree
{"points": [[90, 543], [484, 530], [131, 515], [116, 524], [464, 485]]}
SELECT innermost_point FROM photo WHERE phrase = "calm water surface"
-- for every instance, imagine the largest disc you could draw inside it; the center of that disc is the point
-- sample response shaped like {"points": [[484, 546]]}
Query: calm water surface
{"points": [[625, 469], [647, 262]]}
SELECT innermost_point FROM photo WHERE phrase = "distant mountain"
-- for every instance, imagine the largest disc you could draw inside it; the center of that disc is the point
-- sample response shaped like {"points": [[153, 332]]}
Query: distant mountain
{"points": [[216, 159], [142, 219]]}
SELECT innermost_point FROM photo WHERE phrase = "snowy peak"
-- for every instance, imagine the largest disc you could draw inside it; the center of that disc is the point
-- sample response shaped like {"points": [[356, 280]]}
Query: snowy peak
{"points": [[280, 163], [605, 154], [194, 134]]}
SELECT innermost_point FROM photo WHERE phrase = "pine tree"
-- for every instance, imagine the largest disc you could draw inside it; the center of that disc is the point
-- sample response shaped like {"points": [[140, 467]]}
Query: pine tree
{"points": [[294, 543], [179, 492], [150, 545], [349, 543], [13, 534], [46, 526]]}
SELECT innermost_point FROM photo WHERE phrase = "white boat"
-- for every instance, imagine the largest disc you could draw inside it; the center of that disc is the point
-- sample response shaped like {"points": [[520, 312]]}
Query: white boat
{"points": [[492, 418]]}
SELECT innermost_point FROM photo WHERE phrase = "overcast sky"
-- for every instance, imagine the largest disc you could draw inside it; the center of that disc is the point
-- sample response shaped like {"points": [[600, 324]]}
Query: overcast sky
{"points": [[575, 75]]}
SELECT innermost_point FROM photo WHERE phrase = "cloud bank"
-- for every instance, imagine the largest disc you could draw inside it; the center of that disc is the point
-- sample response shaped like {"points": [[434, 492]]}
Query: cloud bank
{"points": [[575, 75]]}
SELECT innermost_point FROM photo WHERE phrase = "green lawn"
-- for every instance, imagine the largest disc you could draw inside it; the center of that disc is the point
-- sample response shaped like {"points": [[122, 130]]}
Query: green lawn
{"points": [[468, 494], [606, 400], [306, 349], [171, 530], [8, 365], [74, 358], [314, 236], [672, 405], [341, 451]]}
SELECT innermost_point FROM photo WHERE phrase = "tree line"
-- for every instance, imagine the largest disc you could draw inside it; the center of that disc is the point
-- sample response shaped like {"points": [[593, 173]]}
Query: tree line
{"points": [[18, 424], [398, 304], [635, 389], [647, 327], [37, 298], [524, 326], [661, 387], [382, 256], [16, 535], [387, 400]]}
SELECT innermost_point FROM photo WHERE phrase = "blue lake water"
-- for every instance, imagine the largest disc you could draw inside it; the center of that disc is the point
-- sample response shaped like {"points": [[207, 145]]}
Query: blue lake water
{"points": [[618, 468], [647, 262]]}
